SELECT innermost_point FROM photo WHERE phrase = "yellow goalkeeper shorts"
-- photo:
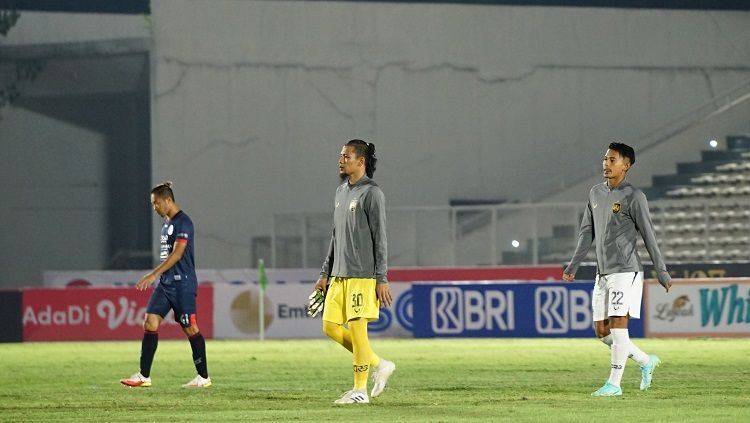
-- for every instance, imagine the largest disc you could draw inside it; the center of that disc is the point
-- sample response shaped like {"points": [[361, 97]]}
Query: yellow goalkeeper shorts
{"points": [[351, 298]]}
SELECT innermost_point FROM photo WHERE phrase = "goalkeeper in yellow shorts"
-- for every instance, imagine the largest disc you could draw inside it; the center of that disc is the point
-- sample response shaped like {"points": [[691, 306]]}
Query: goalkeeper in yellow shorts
{"points": [[353, 279]]}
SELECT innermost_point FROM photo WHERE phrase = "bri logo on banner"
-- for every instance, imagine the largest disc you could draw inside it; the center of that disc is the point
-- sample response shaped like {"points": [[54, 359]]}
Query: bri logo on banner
{"points": [[457, 310], [559, 309]]}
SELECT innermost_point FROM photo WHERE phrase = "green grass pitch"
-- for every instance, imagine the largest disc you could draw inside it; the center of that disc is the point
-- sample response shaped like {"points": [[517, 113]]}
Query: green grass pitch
{"points": [[436, 380]]}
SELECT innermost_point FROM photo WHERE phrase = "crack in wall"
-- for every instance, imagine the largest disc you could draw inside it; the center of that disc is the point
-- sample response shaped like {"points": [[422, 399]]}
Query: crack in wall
{"points": [[218, 143], [373, 73], [724, 35], [406, 66], [176, 85], [333, 105], [709, 84]]}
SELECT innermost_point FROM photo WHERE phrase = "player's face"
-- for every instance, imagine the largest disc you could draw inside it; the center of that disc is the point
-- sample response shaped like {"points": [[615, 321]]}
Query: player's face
{"points": [[349, 162], [614, 165], [160, 205]]}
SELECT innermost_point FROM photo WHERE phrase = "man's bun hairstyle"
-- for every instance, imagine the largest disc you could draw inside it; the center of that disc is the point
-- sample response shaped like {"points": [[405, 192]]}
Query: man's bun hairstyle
{"points": [[366, 150]]}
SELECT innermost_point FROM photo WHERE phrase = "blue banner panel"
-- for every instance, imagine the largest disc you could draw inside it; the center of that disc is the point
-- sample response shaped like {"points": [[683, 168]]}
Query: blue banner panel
{"points": [[518, 310]]}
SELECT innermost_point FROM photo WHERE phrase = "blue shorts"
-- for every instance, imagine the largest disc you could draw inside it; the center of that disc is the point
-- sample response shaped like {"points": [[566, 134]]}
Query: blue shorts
{"points": [[176, 296]]}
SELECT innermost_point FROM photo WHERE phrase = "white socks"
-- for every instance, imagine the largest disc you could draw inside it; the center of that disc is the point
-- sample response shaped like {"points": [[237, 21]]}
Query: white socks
{"points": [[634, 352], [620, 349]]}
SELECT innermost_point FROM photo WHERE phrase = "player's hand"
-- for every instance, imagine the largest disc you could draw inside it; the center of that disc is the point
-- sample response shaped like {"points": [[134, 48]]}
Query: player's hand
{"points": [[668, 285], [383, 292], [567, 277], [316, 304], [145, 282], [321, 284]]}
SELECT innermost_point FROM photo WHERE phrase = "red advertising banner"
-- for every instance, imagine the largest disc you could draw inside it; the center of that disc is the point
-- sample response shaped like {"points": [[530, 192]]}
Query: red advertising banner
{"points": [[514, 273], [86, 314]]}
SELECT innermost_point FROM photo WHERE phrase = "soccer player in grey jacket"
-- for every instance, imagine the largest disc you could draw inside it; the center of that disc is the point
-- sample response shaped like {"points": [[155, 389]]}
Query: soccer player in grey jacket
{"points": [[616, 213], [354, 274]]}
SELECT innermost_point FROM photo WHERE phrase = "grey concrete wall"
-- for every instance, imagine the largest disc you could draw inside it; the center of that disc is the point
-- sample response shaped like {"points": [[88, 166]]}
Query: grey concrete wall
{"points": [[53, 208], [74, 170], [253, 99]]}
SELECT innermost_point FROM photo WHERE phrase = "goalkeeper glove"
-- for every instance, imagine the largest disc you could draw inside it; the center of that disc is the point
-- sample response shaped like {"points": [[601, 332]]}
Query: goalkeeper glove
{"points": [[317, 299]]}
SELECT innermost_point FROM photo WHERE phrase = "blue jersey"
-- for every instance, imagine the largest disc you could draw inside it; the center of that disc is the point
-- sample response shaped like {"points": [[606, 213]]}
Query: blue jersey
{"points": [[178, 229]]}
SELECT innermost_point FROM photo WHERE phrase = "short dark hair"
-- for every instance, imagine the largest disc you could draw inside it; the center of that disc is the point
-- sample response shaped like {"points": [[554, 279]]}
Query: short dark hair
{"points": [[163, 190], [624, 150], [366, 150]]}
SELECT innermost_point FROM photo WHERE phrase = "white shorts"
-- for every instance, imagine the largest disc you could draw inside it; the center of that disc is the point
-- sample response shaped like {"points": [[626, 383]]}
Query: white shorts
{"points": [[617, 294]]}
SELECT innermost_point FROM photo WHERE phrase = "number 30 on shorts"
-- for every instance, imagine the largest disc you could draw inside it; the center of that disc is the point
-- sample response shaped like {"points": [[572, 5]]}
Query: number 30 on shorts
{"points": [[357, 300]]}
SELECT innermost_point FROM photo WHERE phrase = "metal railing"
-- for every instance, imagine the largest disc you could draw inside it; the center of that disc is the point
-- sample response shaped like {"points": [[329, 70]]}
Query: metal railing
{"points": [[508, 234], [440, 236]]}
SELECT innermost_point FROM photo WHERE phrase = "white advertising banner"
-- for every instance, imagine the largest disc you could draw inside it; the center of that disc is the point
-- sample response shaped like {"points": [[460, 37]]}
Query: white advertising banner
{"points": [[699, 307], [125, 278], [236, 301], [236, 314]]}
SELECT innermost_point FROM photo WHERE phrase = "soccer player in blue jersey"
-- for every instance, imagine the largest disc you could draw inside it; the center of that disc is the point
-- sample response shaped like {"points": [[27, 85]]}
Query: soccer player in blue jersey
{"points": [[177, 290], [353, 277]]}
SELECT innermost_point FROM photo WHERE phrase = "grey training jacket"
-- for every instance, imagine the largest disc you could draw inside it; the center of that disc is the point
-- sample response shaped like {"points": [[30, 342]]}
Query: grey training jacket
{"points": [[613, 218], [358, 244]]}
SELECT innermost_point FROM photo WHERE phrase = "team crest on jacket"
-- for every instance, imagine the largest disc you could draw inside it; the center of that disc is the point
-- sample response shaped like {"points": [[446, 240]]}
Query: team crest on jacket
{"points": [[615, 208], [353, 205]]}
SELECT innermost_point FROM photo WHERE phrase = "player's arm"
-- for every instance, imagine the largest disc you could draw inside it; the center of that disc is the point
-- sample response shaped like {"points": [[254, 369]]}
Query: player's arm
{"points": [[644, 225], [585, 239], [318, 296], [325, 271], [376, 219], [177, 251]]}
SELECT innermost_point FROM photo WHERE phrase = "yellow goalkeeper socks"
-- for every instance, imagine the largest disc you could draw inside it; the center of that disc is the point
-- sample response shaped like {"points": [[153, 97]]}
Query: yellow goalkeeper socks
{"points": [[343, 337], [338, 333], [362, 352]]}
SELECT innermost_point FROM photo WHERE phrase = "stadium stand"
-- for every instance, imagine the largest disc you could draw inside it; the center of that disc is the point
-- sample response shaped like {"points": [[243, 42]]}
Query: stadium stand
{"points": [[700, 214]]}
